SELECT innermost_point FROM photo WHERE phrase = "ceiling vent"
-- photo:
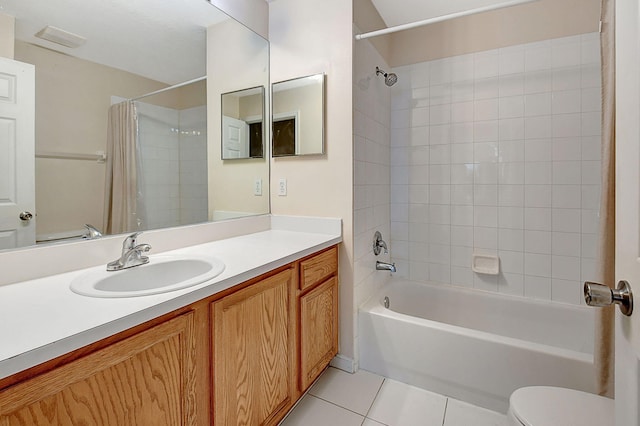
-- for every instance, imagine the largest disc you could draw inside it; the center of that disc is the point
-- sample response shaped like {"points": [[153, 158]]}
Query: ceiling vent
{"points": [[58, 36]]}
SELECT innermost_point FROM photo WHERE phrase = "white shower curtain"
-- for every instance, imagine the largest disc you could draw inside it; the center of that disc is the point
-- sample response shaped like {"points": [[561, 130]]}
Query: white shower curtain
{"points": [[123, 207]]}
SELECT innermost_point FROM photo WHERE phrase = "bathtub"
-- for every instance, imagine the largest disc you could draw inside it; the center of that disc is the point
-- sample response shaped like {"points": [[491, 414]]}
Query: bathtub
{"points": [[475, 346]]}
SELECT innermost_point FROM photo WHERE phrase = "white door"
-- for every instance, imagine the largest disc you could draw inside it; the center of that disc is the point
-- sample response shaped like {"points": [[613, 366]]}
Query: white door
{"points": [[627, 381], [235, 138], [17, 154]]}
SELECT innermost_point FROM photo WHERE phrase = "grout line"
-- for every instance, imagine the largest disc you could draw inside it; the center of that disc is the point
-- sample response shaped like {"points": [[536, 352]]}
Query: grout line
{"points": [[337, 405], [384, 379], [444, 415]]}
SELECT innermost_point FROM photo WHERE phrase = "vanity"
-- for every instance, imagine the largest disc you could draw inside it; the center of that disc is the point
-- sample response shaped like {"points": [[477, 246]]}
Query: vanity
{"points": [[238, 349]]}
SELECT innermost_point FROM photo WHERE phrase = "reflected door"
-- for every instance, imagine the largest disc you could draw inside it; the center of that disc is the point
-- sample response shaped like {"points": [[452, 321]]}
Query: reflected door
{"points": [[235, 138], [17, 154]]}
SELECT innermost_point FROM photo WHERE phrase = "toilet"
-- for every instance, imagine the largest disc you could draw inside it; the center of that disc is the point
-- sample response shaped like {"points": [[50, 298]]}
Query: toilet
{"points": [[553, 406]]}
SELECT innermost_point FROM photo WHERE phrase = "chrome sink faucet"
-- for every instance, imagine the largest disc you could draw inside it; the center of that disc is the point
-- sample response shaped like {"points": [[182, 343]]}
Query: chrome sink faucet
{"points": [[131, 254]]}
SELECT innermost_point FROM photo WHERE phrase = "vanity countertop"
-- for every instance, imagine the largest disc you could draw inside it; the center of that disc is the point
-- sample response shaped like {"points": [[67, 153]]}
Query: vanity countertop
{"points": [[42, 318]]}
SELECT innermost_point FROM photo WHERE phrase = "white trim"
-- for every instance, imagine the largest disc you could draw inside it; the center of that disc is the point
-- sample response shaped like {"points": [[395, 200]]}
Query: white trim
{"points": [[344, 363]]}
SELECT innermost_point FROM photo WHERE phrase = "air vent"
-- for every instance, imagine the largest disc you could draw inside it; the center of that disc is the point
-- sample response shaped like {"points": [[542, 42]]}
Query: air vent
{"points": [[58, 36]]}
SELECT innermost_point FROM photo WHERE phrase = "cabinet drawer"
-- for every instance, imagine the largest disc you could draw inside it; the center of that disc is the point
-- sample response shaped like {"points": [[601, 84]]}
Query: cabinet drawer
{"points": [[318, 268]]}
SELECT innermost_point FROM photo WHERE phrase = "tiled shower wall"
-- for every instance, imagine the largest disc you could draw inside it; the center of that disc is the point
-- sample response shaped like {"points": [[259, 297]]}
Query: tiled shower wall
{"points": [[173, 146], [371, 118], [499, 152]]}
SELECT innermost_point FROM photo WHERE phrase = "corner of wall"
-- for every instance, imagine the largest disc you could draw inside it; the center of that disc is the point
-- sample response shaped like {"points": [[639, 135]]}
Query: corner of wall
{"points": [[252, 13]]}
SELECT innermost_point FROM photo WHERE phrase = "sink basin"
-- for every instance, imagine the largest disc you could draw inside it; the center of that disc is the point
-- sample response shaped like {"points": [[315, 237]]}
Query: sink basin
{"points": [[163, 273]]}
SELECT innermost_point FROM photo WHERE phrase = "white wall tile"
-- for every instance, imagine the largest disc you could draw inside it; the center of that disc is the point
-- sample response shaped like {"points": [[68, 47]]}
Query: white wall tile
{"points": [[504, 154], [511, 217], [537, 287], [462, 153], [511, 239], [538, 242], [511, 85], [537, 219], [566, 244], [462, 112], [537, 264], [537, 104]]}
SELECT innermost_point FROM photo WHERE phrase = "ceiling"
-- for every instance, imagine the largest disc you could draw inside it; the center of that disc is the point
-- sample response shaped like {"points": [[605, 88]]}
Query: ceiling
{"points": [[397, 12], [162, 40]]}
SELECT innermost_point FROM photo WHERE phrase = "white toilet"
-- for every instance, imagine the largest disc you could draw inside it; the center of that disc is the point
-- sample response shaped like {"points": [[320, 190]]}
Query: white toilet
{"points": [[552, 406]]}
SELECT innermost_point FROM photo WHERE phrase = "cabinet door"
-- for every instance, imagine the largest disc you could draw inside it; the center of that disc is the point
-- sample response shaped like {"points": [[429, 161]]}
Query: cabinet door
{"points": [[254, 353], [318, 330], [147, 379]]}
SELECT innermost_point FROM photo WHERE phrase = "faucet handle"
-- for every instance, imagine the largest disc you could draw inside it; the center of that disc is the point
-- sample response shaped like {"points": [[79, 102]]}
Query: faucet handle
{"points": [[130, 241]]}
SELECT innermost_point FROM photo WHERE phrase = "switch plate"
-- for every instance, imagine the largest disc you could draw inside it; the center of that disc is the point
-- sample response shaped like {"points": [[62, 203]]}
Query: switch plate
{"points": [[257, 187], [282, 187]]}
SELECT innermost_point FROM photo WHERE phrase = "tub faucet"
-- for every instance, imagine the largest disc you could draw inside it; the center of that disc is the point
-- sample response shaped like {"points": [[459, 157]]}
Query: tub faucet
{"points": [[384, 266], [92, 232], [131, 254]]}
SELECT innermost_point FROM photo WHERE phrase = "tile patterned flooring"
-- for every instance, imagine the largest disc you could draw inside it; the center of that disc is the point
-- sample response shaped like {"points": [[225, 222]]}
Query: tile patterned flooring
{"points": [[366, 399]]}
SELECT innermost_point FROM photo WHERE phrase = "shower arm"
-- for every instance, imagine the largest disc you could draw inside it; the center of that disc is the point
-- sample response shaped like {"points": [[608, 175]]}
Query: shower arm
{"points": [[447, 17]]}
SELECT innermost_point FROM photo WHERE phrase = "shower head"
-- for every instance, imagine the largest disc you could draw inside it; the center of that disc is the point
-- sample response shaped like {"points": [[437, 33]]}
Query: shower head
{"points": [[389, 78]]}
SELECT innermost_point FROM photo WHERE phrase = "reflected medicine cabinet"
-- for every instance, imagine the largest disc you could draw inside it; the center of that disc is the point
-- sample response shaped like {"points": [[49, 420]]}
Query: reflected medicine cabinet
{"points": [[298, 116]]}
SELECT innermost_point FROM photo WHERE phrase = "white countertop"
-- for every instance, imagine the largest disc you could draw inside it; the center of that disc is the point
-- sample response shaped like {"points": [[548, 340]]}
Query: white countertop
{"points": [[42, 318]]}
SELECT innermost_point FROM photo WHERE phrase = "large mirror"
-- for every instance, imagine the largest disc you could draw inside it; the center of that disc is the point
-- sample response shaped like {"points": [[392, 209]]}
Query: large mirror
{"points": [[298, 116], [172, 61]]}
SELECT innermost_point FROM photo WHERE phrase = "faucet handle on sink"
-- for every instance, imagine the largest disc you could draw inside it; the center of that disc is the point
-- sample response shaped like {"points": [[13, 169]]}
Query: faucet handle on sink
{"points": [[130, 241]]}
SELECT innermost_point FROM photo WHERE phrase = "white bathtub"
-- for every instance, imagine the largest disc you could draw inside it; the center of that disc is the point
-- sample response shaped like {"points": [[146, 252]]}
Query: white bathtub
{"points": [[475, 346]]}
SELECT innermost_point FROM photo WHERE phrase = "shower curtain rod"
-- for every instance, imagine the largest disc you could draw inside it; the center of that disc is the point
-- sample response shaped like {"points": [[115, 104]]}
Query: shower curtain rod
{"points": [[175, 86], [441, 18]]}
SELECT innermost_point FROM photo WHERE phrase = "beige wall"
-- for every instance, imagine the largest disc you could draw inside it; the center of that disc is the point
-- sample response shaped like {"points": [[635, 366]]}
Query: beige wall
{"points": [[541, 20], [231, 182], [309, 37], [7, 30], [72, 100], [366, 18]]}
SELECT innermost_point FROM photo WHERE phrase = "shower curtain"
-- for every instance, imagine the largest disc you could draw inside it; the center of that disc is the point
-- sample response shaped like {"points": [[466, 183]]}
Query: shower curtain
{"points": [[123, 207], [604, 339]]}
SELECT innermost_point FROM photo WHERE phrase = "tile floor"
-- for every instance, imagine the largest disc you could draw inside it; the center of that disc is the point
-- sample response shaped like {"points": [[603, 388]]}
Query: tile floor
{"points": [[365, 399]]}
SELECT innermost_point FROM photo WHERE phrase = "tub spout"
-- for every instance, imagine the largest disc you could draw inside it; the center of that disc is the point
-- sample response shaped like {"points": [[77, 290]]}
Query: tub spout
{"points": [[384, 266]]}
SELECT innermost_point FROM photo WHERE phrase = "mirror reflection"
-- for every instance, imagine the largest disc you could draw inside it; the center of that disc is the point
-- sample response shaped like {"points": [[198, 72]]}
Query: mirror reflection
{"points": [[242, 124], [298, 116], [109, 53]]}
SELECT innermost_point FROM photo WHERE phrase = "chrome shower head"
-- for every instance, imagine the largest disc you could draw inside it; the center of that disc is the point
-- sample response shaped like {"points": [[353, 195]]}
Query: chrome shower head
{"points": [[389, 78]]}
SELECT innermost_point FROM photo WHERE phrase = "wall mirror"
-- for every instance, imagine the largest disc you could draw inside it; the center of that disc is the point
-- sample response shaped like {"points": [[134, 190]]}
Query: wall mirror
{"points": [[243, 124], [172, 60], [298, 116]]}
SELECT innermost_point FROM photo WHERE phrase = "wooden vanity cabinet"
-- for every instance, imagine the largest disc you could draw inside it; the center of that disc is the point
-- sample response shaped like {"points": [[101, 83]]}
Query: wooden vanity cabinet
{"points": [[146, 379], [318, 314], [253, 352], [240, 357]]}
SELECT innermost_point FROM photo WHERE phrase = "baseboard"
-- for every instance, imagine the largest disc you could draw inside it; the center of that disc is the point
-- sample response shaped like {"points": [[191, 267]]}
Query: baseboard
{"points": [[344, 363]]}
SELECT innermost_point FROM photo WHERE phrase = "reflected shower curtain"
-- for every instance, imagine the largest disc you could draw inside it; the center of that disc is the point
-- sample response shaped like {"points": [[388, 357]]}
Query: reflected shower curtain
{"points": [[604, 338], [123, 207]]}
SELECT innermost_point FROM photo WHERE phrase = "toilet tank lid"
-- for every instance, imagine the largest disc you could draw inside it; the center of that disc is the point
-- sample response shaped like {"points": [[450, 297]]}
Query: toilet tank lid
{"points": [[552, 406]]}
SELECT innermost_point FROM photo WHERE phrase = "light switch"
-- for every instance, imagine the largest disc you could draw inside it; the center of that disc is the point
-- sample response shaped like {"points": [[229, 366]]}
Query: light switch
{"points": [[257, 187], [282, 187]]}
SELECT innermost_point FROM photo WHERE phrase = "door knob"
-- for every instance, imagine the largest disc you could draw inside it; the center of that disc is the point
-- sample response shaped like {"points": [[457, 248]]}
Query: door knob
{"points": [[26, 216], [601, 295]]}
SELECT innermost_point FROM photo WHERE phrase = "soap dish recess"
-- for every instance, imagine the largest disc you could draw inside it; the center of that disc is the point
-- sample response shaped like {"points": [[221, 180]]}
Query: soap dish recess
{"points": [[485, 264]]}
